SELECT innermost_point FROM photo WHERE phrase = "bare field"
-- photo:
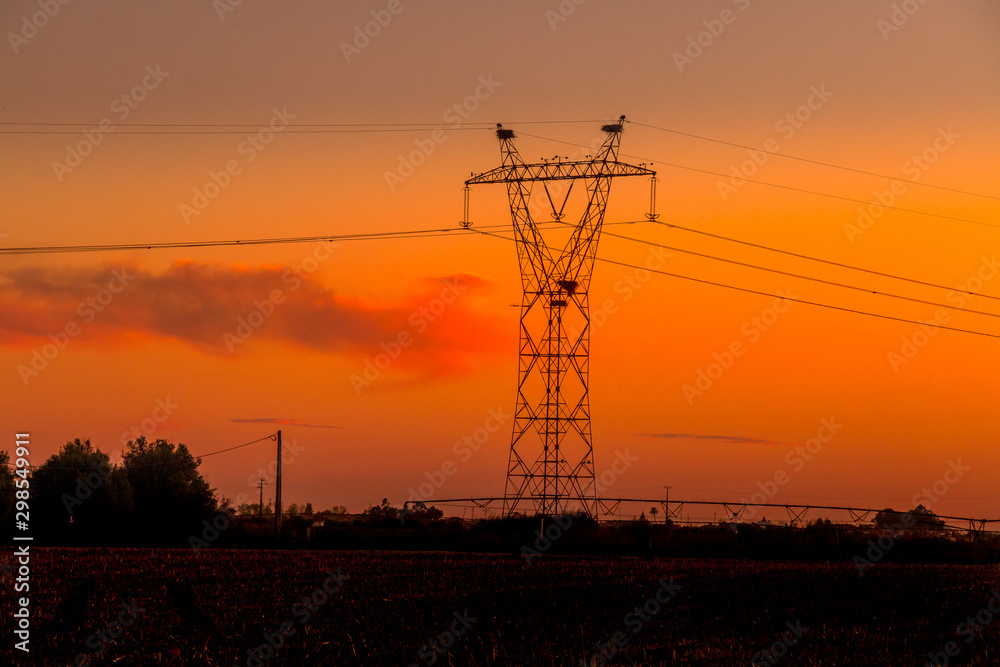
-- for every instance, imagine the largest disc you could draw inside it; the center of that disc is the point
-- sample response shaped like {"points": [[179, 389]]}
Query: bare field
{"points": [[253, 607]]}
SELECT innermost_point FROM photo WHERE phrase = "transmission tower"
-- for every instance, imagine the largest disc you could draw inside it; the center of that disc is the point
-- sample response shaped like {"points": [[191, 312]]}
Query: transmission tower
{"points": [[551, 460]]}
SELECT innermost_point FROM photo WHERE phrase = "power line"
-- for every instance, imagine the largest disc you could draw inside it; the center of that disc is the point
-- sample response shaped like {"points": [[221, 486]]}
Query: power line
{"points": [[40, 250], [426, 233], [298, 128], [229, 449], [818, 259], [283, 130], [778, 185], [819, 162], [771, 296], [370, 236], [153, 465], [436, 232], [804, 277], [481, 125]]}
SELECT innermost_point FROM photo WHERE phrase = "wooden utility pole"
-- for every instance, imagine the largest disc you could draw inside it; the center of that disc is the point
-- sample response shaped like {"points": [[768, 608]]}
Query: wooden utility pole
{"points": [[277, 494], [260, 485]]}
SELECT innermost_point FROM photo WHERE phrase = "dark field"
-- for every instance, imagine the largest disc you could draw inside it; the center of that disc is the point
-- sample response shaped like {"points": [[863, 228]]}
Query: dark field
{"points": [[211, 608]]}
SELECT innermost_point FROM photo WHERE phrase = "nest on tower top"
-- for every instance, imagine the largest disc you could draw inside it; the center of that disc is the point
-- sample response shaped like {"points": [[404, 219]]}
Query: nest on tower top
{"points": [[505, 134], [612, 128]]}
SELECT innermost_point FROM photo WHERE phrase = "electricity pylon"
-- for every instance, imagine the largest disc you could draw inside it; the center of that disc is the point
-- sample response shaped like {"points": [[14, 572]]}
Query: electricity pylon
{"points": [[551, 451]]}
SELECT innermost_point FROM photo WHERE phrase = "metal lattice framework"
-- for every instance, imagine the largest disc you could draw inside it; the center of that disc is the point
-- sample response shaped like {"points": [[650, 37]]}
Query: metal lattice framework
{"points": [[551, 460]]}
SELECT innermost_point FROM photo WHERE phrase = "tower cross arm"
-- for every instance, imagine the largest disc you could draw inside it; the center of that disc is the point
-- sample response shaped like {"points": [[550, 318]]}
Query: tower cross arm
{"points": [[559, 171]]}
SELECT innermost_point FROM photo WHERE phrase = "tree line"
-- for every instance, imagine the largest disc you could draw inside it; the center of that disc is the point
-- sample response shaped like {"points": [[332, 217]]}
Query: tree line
{"points": [[156, 493]]}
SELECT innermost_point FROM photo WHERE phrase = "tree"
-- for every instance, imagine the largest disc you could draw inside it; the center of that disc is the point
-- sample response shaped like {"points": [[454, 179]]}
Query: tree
{"points": [[293, 510], [419, 514], [653, 512], [6, 493], [252, 510], [308, 509], [383, 513], [888, 518], [926, 519], [78, 485], [171, 497], [919, 518]]}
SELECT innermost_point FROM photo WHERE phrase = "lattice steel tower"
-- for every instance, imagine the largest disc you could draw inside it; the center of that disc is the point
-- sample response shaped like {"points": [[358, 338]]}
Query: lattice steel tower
{"points": [[551, 452]]}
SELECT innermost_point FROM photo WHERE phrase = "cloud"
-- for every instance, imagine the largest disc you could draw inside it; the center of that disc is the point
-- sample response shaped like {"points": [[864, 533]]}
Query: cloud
{"points": [[280, 422], [740, 440], [231, 310]]}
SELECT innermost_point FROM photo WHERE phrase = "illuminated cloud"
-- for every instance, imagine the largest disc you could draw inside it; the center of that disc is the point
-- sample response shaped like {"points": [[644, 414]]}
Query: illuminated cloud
{"points": [[231, 310], [736, 439]]}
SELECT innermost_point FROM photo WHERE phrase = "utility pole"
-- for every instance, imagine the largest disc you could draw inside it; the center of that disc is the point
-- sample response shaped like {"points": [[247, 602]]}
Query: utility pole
{"points": [[277, 493], [551, 462], [666, 505], [260, 485]]}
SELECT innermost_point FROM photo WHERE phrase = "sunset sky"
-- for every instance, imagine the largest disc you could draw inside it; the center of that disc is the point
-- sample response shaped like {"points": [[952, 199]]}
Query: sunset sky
{"points": [[863, 85]]}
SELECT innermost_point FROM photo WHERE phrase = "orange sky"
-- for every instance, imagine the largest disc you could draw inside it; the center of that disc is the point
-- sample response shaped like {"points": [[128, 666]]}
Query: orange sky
{"points": [[879, 97]]}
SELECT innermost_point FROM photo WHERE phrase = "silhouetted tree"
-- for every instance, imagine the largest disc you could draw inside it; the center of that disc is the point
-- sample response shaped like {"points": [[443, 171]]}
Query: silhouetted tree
{"points": [[6, 494], [926, 519], [919, 518], [79, 486], [170, 495], [419, 514], [383, 513]]}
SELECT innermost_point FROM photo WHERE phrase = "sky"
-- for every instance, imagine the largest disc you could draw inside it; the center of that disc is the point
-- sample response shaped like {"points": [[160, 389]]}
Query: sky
{"points": [[710, 390]]}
